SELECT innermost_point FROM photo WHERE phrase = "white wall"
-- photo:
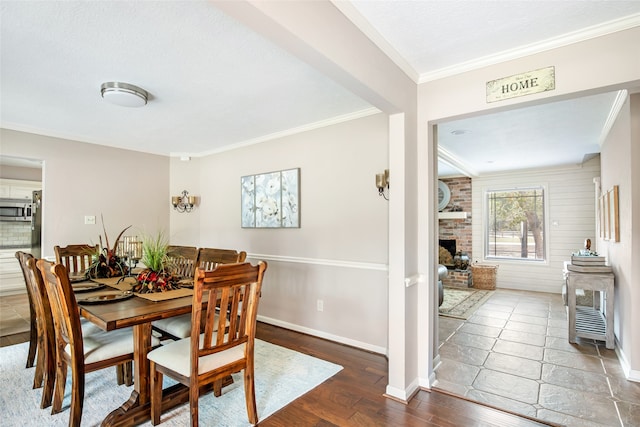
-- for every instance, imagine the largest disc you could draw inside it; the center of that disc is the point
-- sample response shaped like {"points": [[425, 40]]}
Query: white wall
{"points": [[570, 195], [338, 255], [127, 187], [620, 160]]}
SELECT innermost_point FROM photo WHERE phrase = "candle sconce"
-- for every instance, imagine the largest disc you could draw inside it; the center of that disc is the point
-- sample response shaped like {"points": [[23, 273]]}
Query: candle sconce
{"points": [[183, 203], [382, 182]]}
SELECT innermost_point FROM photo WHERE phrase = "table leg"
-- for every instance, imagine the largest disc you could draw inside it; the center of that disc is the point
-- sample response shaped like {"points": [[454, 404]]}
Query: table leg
{"points": [[141, 347], [609, 337], [137, 408], [571, 303]]}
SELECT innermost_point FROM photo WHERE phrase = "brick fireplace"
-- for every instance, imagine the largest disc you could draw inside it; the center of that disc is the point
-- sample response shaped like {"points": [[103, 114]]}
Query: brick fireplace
{"points": [[455, 234]]}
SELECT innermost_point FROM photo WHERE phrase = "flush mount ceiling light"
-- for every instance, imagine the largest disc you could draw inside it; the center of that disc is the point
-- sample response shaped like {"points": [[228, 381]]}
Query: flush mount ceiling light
{"points": [[124, 94]]}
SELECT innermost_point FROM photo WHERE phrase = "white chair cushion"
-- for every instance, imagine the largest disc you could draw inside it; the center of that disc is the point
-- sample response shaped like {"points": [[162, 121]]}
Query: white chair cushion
{"points": [[176, 356], [178, 326], [102, 345], [88, 327]]}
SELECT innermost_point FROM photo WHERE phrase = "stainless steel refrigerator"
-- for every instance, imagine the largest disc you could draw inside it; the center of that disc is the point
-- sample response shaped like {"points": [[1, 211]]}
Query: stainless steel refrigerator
{"points": [[36, 224]]}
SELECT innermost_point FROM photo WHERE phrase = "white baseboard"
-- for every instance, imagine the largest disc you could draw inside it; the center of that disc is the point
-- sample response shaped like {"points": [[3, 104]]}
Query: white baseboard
{"points": [[630, 374], [342, 340], [403, 395]]}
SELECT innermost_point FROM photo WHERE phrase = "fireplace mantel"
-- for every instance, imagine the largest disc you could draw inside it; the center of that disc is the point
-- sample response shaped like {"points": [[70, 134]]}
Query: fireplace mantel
{"points": [[452, 215]]}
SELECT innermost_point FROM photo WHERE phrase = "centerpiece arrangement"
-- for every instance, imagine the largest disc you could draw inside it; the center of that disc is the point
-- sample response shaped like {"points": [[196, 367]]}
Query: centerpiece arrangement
{"points": [[158, 275], [105, 263]]}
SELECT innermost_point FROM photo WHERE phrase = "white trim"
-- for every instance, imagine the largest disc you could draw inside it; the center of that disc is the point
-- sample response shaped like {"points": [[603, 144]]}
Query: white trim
{"points": [[414, 279], [594, 31], [365, 26], [321, 334], [621, 98], [403, 395], [452, 215], [320, 261], [427, 383], [630, 374], [288, 132], [456, 163]]}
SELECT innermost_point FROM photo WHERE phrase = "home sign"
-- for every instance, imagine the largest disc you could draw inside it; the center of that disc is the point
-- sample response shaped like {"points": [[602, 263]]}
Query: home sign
{"points": [[528, 83]]}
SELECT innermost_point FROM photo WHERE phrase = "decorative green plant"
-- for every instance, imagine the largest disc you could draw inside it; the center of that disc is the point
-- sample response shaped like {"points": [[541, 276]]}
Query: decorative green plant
{"points": [[154, 252], [157, 277]]}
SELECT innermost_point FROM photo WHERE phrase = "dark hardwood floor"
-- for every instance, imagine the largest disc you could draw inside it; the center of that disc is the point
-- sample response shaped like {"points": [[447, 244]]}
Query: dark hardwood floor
{"points": [[354, 396]]}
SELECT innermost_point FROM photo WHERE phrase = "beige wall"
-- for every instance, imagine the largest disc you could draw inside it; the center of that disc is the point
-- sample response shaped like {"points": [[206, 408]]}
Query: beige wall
{"points": [[127, 187], [338, 255], [620, 160], [22, 173], [185, 175], [316, 32]]}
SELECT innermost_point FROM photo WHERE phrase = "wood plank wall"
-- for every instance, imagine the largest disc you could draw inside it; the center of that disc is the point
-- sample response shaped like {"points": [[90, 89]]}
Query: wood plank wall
{"points": [[570, 218]]}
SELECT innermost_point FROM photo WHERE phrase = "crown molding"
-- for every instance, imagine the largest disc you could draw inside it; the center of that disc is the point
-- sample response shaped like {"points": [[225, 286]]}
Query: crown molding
{"points": [[621, 98], [311, 126], [368, 30], [454, 162], [594, 31]]}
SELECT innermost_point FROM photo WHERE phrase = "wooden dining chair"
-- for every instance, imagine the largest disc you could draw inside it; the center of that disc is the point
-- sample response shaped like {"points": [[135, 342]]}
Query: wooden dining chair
{"points": [[209, 258], [83, 353], [182, 260], [222, 349], [45, 362], [179, 327], [76, 258], [33, 327]]}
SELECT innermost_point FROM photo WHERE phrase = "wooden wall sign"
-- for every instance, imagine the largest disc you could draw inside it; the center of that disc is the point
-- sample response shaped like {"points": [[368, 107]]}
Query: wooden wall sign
{"points": [[528, 83]]}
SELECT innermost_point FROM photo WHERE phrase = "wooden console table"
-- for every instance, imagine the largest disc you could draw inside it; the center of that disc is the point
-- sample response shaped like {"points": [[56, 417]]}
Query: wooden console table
{"points": [[591, 322]]}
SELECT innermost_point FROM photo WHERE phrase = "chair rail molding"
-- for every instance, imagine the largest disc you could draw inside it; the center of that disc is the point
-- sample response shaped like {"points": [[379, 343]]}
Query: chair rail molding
{"points": [[321, 261]]}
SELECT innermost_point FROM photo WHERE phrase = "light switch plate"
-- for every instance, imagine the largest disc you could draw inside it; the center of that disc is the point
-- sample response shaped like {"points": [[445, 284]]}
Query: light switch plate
{"points": [[90, 219]]}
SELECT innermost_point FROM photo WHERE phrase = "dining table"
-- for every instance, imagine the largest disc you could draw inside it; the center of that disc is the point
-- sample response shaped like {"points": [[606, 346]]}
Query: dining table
{"points": [[136, 311]]}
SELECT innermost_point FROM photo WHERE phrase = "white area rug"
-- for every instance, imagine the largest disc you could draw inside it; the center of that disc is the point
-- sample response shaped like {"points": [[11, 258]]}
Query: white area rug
{"points": [[281, 376]]}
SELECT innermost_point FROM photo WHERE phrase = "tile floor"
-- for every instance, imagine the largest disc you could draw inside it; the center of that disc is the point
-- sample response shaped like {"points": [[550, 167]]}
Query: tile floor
{"points": [[513, 353], [14, 314]]}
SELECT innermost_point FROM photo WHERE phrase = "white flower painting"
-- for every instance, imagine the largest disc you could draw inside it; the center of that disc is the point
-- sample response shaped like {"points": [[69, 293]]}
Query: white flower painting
{"points": [[271, 200]]}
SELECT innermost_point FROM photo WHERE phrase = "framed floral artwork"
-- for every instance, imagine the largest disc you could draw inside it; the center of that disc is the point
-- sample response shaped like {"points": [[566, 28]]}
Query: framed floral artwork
{"points": [[271, 200], [609, 215]]}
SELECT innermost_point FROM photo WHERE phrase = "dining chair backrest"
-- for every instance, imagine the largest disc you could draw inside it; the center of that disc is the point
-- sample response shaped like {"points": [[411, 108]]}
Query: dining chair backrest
{"points": [[45, 364], [236, 288], [182, 260], [33, 327], [209, 258], [64, 308], [227, 344], [113, 348], [76, 258]]}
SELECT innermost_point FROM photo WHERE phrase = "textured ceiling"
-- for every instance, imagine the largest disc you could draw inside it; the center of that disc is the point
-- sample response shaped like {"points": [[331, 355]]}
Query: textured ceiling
{"points": [[215, 83]]}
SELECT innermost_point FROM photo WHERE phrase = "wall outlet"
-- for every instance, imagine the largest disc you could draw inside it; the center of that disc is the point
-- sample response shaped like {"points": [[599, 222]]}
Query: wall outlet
{"points": [[320, 305], [89, 219]]}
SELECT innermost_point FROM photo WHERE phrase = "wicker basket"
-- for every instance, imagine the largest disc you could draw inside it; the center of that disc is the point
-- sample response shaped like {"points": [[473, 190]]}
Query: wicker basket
{"points": [[484, 276]]}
